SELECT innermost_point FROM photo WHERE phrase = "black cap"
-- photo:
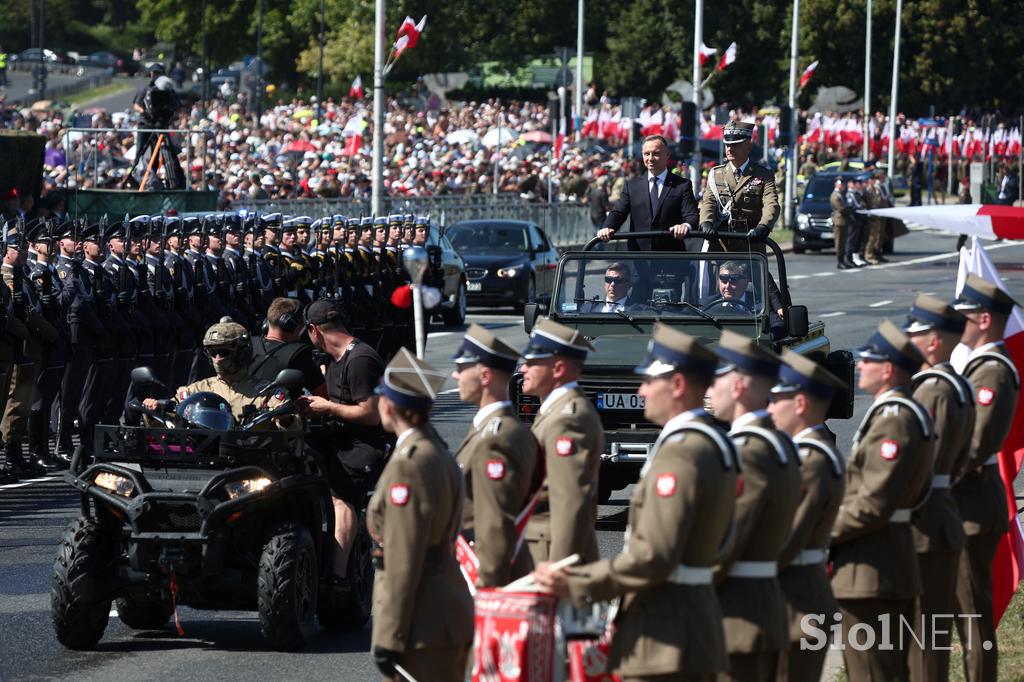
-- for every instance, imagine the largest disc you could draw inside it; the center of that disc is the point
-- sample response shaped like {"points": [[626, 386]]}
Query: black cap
{"points": [[324, 311]]}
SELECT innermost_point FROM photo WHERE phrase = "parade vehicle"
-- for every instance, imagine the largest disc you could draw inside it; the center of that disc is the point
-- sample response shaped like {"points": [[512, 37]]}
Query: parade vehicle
{"points": [[701, 294], [203, 512]]}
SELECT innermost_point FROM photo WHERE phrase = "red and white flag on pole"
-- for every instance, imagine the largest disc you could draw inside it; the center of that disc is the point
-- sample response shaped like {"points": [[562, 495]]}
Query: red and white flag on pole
{"points": [[353, 133], [988, 221], [805, 77], [408, 35], [1009, 559], [706, 53], [356, 90], [559, 139], [728, 57]]}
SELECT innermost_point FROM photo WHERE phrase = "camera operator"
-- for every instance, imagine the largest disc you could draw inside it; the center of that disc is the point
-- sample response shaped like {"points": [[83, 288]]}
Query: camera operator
{"points": [[284, 346], [157, 104], [356, 449]]}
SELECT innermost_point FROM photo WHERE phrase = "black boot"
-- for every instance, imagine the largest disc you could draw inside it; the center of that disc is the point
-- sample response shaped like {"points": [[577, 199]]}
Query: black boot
{"points": [[39, 443], [19, 464], [7, 475]]}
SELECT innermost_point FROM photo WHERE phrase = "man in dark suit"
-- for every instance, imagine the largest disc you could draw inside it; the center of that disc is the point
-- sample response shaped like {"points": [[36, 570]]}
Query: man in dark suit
{"points": [[658, 201]]}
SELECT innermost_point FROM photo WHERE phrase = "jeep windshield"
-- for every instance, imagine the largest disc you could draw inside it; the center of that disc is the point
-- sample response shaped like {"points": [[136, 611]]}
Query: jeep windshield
{"points": [[625, 286]]}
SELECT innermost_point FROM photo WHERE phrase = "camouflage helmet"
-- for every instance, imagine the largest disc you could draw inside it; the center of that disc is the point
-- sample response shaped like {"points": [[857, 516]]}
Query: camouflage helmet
{"points": [[227, 332]]}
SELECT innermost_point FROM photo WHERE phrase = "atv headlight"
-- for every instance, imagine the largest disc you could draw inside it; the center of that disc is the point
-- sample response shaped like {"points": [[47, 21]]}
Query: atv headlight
{"points": [[510, 272], [245, 486], [119, 485]]}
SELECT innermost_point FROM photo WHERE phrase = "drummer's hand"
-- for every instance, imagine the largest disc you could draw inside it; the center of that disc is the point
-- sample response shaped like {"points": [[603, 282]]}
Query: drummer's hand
{"points": [[552, 581], [680, 231], [605, 233], [149, 403]]}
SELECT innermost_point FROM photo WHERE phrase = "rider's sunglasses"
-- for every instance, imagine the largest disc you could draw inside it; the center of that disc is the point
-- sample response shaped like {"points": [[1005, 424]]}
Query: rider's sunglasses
{"points": [[731, 279], [616, 280], [219, 351]]}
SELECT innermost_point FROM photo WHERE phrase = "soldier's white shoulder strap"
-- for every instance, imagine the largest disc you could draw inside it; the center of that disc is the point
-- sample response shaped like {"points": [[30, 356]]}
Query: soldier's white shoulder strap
{"points": [[838, 466], [725, 446], [999, 357], [963, 389], [722, 208], [924, 420], [781, 443]]}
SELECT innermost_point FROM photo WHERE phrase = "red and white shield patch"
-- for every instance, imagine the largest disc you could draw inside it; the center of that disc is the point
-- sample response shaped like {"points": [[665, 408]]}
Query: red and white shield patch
{"points": [[495, 469], [399, 494], [564, 447], [665, 486], [890, 449], [985, 396]]}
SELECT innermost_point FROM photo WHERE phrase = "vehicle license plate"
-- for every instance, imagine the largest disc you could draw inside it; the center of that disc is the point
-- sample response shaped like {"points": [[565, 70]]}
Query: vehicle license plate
{"points": [[828, 235], [619, 401], [474, 286]]}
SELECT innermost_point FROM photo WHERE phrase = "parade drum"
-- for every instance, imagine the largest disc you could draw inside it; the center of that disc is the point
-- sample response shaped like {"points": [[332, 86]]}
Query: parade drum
{"points": [[515, 637]]}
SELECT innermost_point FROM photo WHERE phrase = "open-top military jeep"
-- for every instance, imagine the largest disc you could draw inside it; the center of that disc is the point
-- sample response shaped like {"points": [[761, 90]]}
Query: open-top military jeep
{"points": [[701, 293]]}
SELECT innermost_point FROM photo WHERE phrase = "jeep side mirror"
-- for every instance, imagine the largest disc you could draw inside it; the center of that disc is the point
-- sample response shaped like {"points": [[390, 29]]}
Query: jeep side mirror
{"points": [[796, 321], [531, 311], [144, 375]]}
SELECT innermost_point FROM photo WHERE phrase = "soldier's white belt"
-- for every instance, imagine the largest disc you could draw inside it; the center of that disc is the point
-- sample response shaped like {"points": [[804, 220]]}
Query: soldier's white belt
{"points": [[753, 569], [809, 557], [940, 481], [992, 460], [691, 575], [900, 516]]}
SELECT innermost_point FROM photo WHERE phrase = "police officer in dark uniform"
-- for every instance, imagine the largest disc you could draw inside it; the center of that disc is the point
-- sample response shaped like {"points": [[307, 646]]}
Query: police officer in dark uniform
{"points": [[130, 329], [293, 266], [222, 283], [184, 305], [160, 294], [272, 224]]}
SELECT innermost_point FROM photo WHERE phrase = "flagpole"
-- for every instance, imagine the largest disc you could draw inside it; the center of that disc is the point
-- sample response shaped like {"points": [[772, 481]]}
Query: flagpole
{"points": [[378, 110], [791, 160], [579, 73], [698, 40], [867, 84], [320, 69], [895, 89]]}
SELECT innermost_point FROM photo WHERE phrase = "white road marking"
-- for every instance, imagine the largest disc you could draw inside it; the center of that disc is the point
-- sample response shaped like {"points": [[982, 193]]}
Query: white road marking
{"points": [[835, 314], [22, 484], [912, 261], [823, 274], [798, 276], [437, 335], [879, 304]]}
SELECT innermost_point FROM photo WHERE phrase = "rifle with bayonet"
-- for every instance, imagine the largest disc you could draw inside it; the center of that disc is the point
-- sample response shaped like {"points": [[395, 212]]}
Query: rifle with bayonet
{"points": [[124, 301]]}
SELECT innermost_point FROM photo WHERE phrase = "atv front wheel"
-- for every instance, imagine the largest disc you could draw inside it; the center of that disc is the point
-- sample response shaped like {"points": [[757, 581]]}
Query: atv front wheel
{"points": [[143, 615], [78, 610], [287, 587]]}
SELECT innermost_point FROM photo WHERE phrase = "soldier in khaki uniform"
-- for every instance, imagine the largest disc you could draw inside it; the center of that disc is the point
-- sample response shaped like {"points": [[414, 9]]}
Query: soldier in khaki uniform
{"points": [[935, 328], [15, 334], [753, 606], [799, 404], [979, 491], [875, 198], [840, 224], [571, 440], [742, 191], [28, 358], [498, 459], [875, 572], [422, 609], [669, 625]]}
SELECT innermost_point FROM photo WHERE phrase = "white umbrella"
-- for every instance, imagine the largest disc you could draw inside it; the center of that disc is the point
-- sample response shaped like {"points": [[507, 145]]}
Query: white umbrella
{"points": [[505, 135], [464, 136]]}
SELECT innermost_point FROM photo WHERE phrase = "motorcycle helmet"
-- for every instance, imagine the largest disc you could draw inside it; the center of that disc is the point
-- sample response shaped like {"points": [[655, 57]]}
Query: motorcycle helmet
{"points": [[229, 347], [206, 410]]}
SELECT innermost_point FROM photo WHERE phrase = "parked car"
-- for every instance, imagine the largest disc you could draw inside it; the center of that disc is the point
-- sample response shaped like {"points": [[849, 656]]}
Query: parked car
{"points": [[508, 262], [814, 213], [109, 60], [32, 55]]}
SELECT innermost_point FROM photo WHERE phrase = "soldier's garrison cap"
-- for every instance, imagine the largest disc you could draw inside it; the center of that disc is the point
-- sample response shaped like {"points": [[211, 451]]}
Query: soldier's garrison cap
{"points": [[741, 353], [798, 373], [889, 344], [411, 383], [671, 350], [480, 346], [551, 338], [931, 313], [737, 131], [981, 294]]}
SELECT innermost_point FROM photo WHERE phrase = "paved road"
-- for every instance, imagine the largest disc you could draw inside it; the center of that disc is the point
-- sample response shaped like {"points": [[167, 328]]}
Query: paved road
{"points": [[227, 645], [20, 82]]}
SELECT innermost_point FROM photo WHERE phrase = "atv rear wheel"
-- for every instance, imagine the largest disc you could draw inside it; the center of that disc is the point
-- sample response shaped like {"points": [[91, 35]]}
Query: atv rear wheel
{"points": [[78, 610], [143, 615], [353, 612], [287, 587]]}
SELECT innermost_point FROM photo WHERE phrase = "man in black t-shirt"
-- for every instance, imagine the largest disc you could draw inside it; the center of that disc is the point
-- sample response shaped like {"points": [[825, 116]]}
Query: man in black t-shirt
{"points": [[285, 347], [355, 453]]}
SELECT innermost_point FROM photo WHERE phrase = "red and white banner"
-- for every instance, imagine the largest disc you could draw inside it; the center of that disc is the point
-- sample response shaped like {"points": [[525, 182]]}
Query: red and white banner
{"points": [[706, 53], [728, 57], [1009, 560], [988, 221], [356, 90], [408, 35], [805, 77], [353, 133]]}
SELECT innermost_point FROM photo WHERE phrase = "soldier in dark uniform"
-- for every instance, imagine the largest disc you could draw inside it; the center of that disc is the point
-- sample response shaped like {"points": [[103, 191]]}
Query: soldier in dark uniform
{"points": [[875, 573], [799, 405], [29, 356], [753, 606], [134, 339], [979, 490], [935, 328], [270, 251], [498, 457], [242, 308], [160, 294], [295, 274], [184, 305], [408, 229], [141, 303], [222, 282], [47, 283], [358, 304], [371, 281]]}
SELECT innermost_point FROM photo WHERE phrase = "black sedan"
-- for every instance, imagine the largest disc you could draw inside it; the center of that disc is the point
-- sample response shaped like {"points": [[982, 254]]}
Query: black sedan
{"points": [[508, 262]]}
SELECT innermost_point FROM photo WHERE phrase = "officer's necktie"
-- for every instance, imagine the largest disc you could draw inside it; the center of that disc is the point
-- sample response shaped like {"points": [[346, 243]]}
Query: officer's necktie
{"points": [[654, 195]]}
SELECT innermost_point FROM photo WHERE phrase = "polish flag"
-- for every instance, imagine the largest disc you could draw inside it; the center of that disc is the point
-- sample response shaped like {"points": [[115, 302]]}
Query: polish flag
{"points": [[728, 58], [560, 138], [408, 35], [1009, 559], [356, 89], [805, 77], [706, 53], [988, 221], [353, 133]]}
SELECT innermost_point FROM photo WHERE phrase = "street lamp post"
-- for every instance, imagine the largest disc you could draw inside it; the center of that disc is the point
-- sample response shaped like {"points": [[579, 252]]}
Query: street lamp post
{"points": [[698, 39], [895, 90], [579, 72], [320, 68], [794, 49], [378, 109], [204, 66], [867, 84], [259, 62]]}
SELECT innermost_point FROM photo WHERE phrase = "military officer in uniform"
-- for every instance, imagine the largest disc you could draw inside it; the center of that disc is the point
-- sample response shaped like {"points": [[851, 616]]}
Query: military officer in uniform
{"points": [[840, 224], [979, 492], [669, 624], [571, 439], [875, 575], [15, 334], [422, 609], [935, 328], [753, 606], [799, 405], [498, 458]]}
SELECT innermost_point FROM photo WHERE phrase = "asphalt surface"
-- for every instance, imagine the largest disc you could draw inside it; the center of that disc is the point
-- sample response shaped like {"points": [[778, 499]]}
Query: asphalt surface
{"points": [[227, 645], [20, 82]]}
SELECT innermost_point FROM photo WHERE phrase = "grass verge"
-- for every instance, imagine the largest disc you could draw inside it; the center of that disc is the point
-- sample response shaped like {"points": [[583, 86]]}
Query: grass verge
{"points": [[87, 96]]}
